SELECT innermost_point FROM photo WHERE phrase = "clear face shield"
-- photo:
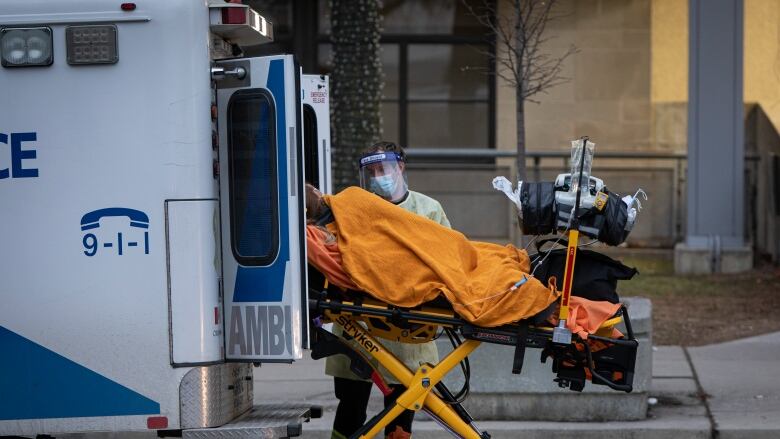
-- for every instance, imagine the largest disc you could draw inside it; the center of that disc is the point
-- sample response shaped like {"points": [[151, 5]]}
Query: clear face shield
{"points": [[383, 174]]}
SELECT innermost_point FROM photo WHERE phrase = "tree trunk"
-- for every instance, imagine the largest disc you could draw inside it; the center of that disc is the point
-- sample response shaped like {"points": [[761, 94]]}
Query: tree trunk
{"points": [[520, 160], [521, 172], [520, 85], [356, 85]]}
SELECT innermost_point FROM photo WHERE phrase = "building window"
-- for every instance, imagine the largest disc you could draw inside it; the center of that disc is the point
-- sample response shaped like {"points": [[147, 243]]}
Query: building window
{"points": [[442, 96], [252, 167], [439, 90]]}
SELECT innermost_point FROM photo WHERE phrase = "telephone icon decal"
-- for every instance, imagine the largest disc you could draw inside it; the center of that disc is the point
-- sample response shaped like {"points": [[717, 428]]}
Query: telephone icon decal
{"points": [[117, 229]]}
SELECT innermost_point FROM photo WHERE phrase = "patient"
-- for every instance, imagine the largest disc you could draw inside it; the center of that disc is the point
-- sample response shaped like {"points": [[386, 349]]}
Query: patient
{"points": [[407, 260], [323, 251]]}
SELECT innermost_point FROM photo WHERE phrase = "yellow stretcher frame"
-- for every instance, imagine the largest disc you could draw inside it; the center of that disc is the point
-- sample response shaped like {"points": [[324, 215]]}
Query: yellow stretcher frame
{"points": [[352, 317], [418, 384]]}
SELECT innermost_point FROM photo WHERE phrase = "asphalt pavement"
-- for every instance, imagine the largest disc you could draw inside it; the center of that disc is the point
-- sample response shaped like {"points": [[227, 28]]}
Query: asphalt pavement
{"points": [[726, 390]]}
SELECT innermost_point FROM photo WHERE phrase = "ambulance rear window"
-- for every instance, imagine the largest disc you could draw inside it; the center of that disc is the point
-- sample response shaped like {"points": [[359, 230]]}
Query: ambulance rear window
{"points": [[252, 165], [311, 152]]}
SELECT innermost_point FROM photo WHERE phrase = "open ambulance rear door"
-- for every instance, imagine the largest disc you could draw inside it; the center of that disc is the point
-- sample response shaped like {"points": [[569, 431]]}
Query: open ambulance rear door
{"points": [[261, 205], [316, 130]]}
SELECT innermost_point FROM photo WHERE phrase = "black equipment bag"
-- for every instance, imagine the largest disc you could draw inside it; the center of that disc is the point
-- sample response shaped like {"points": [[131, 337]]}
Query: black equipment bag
{"points": [[538, 202], [608, 225], [595, 274], [614, 232]]}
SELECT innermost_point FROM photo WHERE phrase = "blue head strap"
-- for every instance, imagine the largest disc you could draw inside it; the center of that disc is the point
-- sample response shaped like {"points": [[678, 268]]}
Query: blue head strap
{"points": [[376, 157]]}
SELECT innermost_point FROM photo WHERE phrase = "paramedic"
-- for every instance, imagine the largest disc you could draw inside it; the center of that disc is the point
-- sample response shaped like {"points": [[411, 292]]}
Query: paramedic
{"points": [[382, 172]]}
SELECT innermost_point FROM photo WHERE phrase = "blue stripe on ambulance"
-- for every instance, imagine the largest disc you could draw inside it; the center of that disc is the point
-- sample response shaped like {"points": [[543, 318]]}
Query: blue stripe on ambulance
{"points": [[266, 284], [36, 383]]}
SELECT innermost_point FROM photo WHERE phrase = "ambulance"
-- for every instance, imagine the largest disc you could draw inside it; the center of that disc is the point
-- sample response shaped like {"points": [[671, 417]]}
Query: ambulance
{"points": [[152, 241]]}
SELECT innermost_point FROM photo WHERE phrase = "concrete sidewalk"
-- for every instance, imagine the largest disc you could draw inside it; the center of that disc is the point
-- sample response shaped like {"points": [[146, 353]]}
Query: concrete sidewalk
{"points": [[740, 379], [727, 390]]}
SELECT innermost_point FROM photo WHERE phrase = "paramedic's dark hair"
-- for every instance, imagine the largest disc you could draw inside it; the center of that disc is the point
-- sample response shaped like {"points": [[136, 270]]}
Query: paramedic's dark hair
{"points": [[386, 146]]}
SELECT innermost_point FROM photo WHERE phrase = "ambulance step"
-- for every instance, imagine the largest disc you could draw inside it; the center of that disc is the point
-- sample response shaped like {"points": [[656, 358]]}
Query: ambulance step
{"points": [[267, 421]]}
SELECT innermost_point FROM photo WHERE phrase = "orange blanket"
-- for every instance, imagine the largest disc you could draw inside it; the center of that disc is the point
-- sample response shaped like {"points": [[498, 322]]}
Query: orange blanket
{"points": [[405, 259], [326, 257], [587, 316]]}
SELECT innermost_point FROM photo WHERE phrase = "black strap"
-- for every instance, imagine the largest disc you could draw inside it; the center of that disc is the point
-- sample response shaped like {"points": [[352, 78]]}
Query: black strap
{"points": [[560, 240], [522, 335], [326, 344]]}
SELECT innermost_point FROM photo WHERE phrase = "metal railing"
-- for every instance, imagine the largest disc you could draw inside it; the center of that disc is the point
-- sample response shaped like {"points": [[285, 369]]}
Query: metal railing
{"points": [[678, 163]]}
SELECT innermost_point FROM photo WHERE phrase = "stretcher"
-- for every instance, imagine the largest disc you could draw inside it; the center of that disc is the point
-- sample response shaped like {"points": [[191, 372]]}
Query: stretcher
{"points": [[603, 356], [600, 358]]}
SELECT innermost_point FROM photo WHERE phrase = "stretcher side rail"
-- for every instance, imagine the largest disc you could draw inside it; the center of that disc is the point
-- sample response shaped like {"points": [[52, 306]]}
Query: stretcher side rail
{"points": [[574, 363], [390, 313], [505, 335]]}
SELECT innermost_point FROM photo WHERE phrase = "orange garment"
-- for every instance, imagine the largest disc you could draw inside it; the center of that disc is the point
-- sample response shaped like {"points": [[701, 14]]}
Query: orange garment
{"points": [[399, 433], [405, 259], [326, 257], [586, 316]]}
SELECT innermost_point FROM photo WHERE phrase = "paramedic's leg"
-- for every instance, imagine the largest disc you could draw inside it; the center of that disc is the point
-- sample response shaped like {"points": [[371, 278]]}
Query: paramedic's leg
{"points": [[351, 412], [400, 427]]}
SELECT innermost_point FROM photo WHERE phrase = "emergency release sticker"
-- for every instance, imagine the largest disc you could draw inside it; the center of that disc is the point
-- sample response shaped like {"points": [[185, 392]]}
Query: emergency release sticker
{"points": [[115, 230]]}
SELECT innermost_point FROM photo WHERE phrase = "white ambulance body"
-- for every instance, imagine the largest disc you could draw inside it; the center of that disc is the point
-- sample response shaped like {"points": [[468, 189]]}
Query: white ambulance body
{"points": [[151, 246]]}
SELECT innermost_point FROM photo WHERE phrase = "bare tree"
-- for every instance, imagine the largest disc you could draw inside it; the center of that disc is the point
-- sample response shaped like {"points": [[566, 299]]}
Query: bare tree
{"points": [[524, 65]]}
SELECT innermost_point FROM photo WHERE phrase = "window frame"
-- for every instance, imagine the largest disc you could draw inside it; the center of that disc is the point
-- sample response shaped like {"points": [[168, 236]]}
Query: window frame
{"points": [[403, 41], [261, 260]]}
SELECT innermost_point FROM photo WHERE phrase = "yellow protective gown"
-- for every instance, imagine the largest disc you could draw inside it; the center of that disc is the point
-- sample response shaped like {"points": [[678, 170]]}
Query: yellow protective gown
{"points": [[413, 355]]}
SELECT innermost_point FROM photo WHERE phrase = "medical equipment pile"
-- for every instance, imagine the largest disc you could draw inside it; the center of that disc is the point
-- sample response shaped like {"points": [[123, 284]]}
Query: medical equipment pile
{"points": [[547, 207], [600, 353]]}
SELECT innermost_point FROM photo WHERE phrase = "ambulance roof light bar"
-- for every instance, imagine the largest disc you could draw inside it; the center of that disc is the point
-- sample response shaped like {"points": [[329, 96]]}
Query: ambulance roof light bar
{"points": [[239, 23]]}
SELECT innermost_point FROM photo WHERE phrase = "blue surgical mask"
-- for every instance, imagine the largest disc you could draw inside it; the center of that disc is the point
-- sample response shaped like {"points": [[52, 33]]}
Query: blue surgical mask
{"points": [[383, 185]]}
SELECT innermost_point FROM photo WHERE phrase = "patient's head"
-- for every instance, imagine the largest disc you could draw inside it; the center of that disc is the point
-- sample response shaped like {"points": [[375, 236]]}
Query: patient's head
{"points": [[316, 208], [315, 204]]}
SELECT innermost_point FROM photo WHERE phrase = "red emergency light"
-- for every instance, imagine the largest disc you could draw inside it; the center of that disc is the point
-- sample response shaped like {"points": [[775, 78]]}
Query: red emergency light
{"points": [[128, 6], [238, 24], [233, 15]]}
